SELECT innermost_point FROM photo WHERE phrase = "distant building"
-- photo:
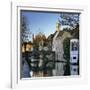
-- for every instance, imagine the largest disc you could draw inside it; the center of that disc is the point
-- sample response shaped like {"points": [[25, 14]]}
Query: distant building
{"points": [[27, 46]]}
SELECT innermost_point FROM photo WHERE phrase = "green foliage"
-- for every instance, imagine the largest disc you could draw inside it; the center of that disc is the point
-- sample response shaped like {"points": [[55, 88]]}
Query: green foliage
{"points": [[66, 47]]}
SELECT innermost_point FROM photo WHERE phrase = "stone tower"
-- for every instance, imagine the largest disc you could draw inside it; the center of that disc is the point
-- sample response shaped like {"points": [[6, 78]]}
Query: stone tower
{"points": [[58, 26]]}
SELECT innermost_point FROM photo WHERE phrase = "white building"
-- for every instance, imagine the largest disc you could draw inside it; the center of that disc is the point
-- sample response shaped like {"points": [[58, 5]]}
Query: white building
{"points": [[74, 52], [57, 46]]}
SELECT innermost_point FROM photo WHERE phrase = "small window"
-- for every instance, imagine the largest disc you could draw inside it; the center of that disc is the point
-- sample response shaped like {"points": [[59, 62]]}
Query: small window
{"points": [[74, 69], [74, 57], [74, 46]]}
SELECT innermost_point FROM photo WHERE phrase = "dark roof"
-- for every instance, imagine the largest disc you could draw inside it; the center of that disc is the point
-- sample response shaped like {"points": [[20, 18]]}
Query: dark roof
{"points": [[50, 37], [30, 42], [60, 33]]}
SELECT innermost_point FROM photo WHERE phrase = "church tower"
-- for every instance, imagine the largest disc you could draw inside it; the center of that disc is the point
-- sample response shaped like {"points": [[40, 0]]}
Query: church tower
{"points": [[58, 26], [33, 38]]}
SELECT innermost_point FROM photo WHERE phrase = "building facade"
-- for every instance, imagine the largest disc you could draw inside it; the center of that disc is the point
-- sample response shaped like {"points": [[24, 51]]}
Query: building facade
{"points": [[74, 52], [57, 47]]}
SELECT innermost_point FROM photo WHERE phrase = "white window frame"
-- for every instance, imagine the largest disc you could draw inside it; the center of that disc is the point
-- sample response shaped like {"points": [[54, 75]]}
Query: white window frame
{"points": [[15, 35]]}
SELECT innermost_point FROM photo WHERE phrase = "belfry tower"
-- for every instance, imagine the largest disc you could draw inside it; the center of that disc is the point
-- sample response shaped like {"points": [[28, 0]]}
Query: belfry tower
{"points": [[58, 26]]}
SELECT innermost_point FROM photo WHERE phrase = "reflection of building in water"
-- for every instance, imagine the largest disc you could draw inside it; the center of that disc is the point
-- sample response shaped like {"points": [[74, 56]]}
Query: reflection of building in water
{"points": [[57, 46], [37, 59], [25, 69], [74, 52]]}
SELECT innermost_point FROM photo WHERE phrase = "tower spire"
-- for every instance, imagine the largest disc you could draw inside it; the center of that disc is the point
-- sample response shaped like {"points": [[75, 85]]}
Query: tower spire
{"points": [[58, 25], [33, 38]]}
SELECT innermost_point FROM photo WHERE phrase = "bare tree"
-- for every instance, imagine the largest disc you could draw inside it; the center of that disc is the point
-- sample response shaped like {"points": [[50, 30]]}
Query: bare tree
{"points": [[71, 19], [25, 30]]}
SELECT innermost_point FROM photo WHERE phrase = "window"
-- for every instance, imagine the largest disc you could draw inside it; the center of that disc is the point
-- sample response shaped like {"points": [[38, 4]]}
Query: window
{"points": [[74, 57], [74, 69], [74, 46]]}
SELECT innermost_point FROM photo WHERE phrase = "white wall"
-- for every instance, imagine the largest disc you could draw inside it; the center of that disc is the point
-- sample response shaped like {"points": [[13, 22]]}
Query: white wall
{"points": [[5, 47]]}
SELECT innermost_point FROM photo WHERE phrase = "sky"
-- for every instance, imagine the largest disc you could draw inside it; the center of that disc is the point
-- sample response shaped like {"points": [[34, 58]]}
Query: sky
{"points": [[44, 22]]}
